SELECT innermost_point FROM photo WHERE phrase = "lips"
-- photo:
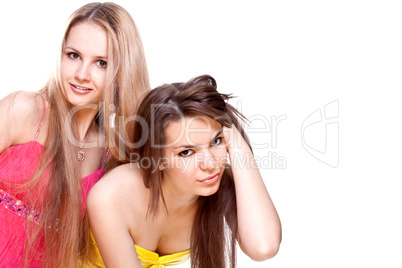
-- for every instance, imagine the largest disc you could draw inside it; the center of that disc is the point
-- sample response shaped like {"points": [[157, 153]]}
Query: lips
{"points": [[78, 89], [211, 179]]}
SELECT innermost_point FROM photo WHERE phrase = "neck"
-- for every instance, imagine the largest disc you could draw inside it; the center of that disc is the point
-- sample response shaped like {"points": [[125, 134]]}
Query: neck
{"points": [[84, 119], [179, 203]]}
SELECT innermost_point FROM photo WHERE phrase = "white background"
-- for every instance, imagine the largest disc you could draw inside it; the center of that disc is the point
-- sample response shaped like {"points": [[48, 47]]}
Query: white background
{"points": [[282, 58]]}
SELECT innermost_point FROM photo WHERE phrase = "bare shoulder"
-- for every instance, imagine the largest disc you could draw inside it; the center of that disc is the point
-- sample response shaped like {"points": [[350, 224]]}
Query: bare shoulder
{"points": [[21, 113], [122, 184], [21, 103], [126, 175]]}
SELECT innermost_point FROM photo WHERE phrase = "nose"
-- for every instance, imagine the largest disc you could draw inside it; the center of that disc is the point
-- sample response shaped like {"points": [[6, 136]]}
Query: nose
{"points": [[208, 161], [83, 73]]}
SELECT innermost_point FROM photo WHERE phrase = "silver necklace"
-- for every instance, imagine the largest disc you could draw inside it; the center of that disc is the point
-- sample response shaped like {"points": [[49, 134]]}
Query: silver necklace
{"points": [[81, 153]]}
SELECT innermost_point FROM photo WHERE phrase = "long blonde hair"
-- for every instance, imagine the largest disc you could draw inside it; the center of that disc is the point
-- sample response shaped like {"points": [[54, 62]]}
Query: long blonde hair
{"points": [[127, 80]]}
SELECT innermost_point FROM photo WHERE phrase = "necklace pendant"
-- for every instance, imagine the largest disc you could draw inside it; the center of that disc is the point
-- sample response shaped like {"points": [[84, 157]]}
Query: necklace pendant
{"points": [[81, 155]]}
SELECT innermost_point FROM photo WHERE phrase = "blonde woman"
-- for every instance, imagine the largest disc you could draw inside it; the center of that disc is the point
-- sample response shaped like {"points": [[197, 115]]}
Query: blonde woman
{"points": [[55, 143]]}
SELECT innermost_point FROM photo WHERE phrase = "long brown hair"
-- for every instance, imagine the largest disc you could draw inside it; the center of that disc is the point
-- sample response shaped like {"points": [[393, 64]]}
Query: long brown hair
{"points": [[67, 239], [211, 243]]}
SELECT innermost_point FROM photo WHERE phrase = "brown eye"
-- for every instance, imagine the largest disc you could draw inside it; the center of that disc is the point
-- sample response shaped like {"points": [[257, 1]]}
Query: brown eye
{"points": [[186, 153], [216, 141], [102, 64], [73, 55]]}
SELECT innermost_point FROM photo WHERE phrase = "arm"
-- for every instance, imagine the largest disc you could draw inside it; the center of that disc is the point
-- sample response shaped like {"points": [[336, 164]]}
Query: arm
{"points": [[107, 209], [259, 228]]}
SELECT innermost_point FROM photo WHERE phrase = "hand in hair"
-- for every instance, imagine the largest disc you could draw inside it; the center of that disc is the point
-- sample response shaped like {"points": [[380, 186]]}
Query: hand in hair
{"points": [[233, 138], [259, 228]]}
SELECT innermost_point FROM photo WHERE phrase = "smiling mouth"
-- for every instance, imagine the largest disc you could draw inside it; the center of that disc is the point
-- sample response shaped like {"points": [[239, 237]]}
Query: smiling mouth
{"points": [[80, 90]]}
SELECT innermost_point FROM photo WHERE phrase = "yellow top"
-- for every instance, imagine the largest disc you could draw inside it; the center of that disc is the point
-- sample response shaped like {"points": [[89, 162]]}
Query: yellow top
{"points": [[151, 259], [147, 258]]}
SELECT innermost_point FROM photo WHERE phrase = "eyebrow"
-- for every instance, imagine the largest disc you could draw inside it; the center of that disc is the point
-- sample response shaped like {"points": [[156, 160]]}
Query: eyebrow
{"points": [[188, 146], [78, 52]]}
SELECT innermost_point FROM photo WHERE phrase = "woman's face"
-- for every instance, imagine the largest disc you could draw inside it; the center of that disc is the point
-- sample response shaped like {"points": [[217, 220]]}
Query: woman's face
{"points": [[84, 63], [195, 156]]}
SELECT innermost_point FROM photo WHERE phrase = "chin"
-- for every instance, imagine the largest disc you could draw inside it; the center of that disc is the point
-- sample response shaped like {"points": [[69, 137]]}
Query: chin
{"points": [[210, 190], [77, 101]]}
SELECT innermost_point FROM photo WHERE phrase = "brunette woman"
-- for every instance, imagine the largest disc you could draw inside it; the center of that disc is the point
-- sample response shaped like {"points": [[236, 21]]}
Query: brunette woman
{"points": [[179, 198]]}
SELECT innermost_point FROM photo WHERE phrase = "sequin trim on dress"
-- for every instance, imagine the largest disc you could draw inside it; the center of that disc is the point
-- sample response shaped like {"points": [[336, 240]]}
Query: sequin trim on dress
{"points": [[18, 207]]}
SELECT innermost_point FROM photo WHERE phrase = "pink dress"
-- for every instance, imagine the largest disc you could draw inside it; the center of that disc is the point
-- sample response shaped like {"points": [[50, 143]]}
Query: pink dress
{"points": [[17, 164]]}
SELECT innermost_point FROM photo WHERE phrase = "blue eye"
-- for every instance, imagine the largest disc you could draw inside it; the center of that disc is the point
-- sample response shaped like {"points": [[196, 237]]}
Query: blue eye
{"points": [[73, 55], [186, 153], [216, 141], [102, 64]]}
